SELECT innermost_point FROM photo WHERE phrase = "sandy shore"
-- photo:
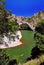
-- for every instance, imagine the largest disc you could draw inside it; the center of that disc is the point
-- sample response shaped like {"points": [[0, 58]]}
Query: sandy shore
{"points": [[11, 43]]}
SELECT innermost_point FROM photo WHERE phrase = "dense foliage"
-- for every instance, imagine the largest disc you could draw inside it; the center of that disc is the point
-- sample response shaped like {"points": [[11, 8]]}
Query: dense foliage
{"points": [[13, 26], [4, 58], [3, 18], [40, 27], [39, 35], [5, 26], [25, 26]]}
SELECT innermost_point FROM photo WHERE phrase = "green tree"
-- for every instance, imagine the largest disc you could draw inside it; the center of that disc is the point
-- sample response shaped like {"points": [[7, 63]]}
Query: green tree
{"points": [[39, 35], [40, 27], [3, 18], [13, 26], [4, 58], [24, 26], [30, 20]]}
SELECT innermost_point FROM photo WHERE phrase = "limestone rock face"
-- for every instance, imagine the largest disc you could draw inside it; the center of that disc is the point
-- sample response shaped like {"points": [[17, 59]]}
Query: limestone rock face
{"points": [[11, 41], [31, 20]]}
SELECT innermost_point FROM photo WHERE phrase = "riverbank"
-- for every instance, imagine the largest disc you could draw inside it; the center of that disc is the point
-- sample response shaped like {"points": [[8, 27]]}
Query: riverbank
{"points": [[11, 43]]}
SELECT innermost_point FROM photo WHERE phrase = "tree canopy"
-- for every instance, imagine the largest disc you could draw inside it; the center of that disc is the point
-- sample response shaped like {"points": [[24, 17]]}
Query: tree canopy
{"points": [[39, 35], [5, 24], [40, 27]]}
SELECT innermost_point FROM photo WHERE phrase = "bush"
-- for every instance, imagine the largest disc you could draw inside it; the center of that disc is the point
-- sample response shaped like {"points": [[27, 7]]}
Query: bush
{"points": [[13, 62], [35, 52]]}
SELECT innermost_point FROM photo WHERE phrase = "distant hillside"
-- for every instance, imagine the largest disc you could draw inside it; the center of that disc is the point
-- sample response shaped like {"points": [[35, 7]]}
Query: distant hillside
{"points": [[36, 18], [31, 20]]}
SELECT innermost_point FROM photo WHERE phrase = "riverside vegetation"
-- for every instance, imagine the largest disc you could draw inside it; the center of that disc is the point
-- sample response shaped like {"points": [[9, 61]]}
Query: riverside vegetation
{"points": [[32, 49]]}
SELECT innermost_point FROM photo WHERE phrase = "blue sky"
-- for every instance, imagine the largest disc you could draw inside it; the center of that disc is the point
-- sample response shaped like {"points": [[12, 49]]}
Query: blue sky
{"points": [[25, 7]]}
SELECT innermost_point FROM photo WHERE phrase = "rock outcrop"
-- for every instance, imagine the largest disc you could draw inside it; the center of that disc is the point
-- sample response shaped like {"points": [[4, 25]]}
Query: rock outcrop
{"points": [[32, 21]]}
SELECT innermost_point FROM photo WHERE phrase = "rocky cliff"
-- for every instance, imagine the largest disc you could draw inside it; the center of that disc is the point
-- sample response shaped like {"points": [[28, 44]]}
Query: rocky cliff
{"points": [[31, 20]]}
